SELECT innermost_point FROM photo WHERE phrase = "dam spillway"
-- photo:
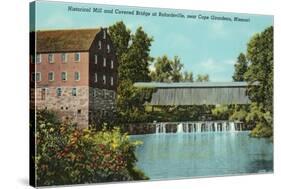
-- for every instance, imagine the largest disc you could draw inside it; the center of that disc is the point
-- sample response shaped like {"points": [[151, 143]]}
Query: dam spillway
{"points": [[200, 127]]}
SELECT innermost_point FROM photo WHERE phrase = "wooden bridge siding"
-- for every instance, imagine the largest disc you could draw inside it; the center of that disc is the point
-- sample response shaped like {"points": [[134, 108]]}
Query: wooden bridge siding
{"points": [[200, 96]]}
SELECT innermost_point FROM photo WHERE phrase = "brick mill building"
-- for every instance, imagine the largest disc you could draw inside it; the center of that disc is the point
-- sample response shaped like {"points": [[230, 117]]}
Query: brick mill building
{"points": [[75, 74]]}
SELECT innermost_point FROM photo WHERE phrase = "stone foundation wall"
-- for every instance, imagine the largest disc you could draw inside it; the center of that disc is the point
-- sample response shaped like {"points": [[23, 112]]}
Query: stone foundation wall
{"points": [[102, 102], [88, 105], [140, 128], [69, 107]]}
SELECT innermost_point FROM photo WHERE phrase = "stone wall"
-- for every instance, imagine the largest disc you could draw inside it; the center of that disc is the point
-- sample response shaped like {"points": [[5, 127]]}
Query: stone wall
{"points": [[86, 106], [68, 107], [102, 102], [140, 128]]}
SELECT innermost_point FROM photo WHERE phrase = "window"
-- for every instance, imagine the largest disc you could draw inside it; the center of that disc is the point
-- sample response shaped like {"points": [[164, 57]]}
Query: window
{"points": [[59, 91], [99, 45], [64, 57], [77, 57], [64, 76], [38, 58], [77, 76], [79, 111], [96, 59], [51, 76], [104, 62], [111, 64], [51, 58], [96, 77], [104, 79], [104, 34], [44, 93], [111, 81], [94, 92], [74, 92], [108, 48], [38, 76]]}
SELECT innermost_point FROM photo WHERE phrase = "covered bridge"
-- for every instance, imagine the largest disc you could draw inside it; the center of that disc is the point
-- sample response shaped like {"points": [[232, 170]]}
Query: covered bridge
{"points": [[196, 93]]}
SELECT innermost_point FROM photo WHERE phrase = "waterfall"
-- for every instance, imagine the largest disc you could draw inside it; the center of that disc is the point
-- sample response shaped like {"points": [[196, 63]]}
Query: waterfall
{"points": [[224, 126], [160, 128], [180, 128], [216, 126], [157, 129], [232, 126], [200, 127]]}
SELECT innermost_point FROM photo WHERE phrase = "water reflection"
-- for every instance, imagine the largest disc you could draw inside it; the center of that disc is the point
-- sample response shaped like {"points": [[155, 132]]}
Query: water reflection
{"points": [[203, 154]]}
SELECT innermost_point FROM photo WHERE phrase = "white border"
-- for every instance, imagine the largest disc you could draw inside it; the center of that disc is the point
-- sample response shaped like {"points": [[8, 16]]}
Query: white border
{"points": [[14, 101]]}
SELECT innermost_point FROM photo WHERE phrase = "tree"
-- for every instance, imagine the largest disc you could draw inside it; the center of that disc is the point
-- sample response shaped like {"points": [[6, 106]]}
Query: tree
{"points": [[167, 70], [221, 112], [187, 76], [133, 54], [120, 36], [162, 69], [135, 65], [176, 67], [260, 56], [202, 78], [257, 69], [241, 67]]}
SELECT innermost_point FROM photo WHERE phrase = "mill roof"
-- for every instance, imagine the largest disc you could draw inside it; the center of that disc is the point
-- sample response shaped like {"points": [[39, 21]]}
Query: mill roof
{"points": [[65, 40]]}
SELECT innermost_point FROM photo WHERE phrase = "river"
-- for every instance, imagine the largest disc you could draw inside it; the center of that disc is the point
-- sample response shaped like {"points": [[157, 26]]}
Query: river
{"points": [[185, 155]]}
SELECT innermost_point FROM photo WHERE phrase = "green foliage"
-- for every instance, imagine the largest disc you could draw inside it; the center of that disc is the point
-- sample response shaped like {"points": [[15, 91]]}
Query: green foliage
{"points": [[187, 76], [138, 56], [240, 67], [67, 155], [260, 57], [120, 37], [131, 98], [176, 66], [259, 116], [239, 115], [222, 112], [262, 131], [167, 70], [163, 69], [202, 78], [134, 59], [180, 113], [132, 52], [257, 68]]}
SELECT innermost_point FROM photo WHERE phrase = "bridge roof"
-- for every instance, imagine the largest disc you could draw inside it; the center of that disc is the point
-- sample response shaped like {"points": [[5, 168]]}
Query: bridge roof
{"points": [[190, 84], [197, 93]]}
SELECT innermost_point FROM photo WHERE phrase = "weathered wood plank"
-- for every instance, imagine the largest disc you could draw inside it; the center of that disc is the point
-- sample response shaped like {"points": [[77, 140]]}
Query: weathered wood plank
{"points": [[198, 93]]}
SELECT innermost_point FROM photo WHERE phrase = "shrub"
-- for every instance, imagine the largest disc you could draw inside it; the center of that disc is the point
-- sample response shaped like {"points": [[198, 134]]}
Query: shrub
{"points": [[262, 119], [68, 155], [262, 131]]}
